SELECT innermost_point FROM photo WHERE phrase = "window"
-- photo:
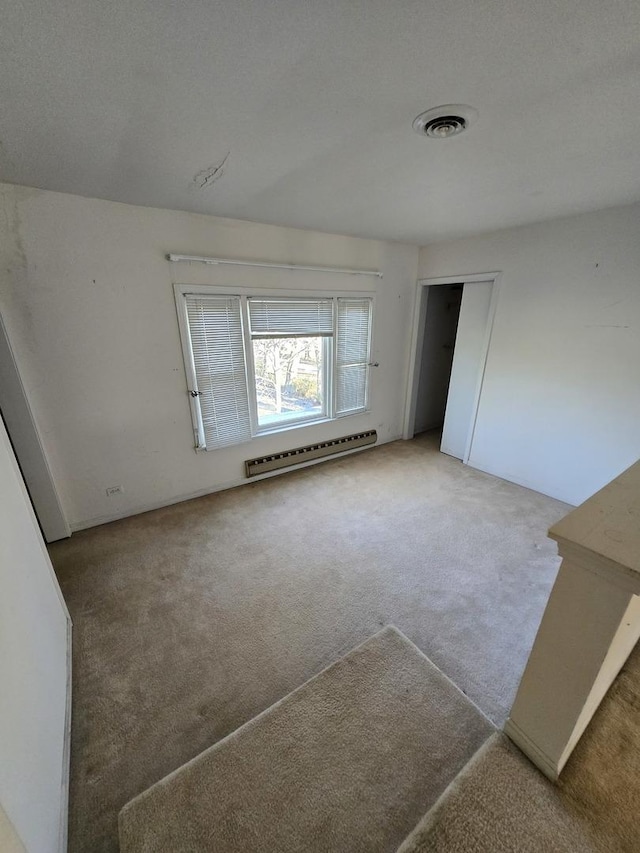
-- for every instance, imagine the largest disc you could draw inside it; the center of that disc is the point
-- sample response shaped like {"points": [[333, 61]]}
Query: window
{"points": [[258, 364], [219, 393], [291, 348], [352, 362]]}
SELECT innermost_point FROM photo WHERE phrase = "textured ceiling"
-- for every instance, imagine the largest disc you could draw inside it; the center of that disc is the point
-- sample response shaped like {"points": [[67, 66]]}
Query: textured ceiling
{"points": [[310, 103]]}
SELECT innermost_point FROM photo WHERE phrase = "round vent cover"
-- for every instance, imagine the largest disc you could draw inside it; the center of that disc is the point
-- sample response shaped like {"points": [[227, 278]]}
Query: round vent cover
{"points": [[445, 126], [443, 122]]}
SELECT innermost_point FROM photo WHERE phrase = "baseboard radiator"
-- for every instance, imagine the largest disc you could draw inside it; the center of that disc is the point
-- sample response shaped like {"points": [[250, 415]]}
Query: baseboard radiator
{"points": [[287, 458]]}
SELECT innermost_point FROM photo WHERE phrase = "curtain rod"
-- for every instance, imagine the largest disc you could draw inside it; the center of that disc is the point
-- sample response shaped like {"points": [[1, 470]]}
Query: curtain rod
{"points": [[199, 260]]}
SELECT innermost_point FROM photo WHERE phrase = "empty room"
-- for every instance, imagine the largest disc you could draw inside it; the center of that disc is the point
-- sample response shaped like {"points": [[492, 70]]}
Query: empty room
{"points": [[319, 445]]}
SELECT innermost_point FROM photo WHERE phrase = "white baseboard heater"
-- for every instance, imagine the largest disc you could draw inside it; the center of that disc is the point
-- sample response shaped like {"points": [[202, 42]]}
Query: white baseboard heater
{"points": [[287, 458]]}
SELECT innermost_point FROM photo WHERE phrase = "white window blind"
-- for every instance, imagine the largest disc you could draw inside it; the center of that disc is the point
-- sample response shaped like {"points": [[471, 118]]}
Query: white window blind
{"points": [[352, 354], [291, 317], [215, 330]]}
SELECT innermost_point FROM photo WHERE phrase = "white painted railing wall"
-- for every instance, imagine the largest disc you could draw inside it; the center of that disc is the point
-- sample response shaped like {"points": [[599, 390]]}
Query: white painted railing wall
{"points": [[590, 625]]}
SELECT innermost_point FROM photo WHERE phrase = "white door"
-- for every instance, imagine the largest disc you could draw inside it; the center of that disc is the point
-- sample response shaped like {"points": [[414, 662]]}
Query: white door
{"points": [[466, 371], [18, 418]]}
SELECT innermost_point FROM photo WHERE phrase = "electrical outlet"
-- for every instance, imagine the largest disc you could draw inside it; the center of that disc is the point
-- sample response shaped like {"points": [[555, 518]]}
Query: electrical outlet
{"points": [[114, 490]]}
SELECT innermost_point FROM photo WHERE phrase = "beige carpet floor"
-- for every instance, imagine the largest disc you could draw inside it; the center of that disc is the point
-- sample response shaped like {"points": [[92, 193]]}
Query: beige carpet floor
{"points": [[190, 620], [348, 762], [601, 781], [500, 802]]}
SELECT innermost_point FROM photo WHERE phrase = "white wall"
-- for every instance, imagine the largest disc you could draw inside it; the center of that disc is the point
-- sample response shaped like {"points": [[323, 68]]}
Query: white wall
{"points": [[86, 295], [33, 673], [9, 839], [560, 404], [25, 438]]}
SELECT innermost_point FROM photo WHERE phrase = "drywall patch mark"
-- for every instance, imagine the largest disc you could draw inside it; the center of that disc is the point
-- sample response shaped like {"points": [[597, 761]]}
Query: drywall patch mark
{"points": [[18, 258], [13, 259], [207, 177], [5, 158]]}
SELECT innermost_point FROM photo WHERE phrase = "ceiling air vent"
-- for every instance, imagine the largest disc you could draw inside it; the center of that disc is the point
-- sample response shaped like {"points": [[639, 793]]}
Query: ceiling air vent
{"points": [[445, 126], [443, 122]]}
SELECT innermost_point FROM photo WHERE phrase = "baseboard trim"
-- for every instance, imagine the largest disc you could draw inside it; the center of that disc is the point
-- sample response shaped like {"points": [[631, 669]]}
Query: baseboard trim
{"points": [[505, 475], [66, 749], [221, 487], [524, 743]]}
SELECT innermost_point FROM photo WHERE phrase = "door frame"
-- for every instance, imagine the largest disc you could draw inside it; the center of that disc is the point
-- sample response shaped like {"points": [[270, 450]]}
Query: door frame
{"points": [[23, 433], [417, 344]]}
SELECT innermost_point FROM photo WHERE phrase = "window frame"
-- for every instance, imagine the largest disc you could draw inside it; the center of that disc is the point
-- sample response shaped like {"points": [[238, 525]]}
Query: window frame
{"points": [[367, 386], [181, 291]]}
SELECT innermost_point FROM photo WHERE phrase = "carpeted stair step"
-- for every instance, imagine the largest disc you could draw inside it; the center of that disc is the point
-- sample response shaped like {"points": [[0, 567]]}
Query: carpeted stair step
{"points": [[501, 802], [349, 761]]}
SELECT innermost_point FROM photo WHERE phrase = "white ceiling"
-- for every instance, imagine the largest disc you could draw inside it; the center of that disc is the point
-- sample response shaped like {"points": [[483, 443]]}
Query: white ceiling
{"points": [[313, 101]]}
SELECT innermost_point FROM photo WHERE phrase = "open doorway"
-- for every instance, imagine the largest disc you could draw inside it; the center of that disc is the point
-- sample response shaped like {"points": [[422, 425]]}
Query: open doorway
{"points": [[441, 324], [452, 326]]}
